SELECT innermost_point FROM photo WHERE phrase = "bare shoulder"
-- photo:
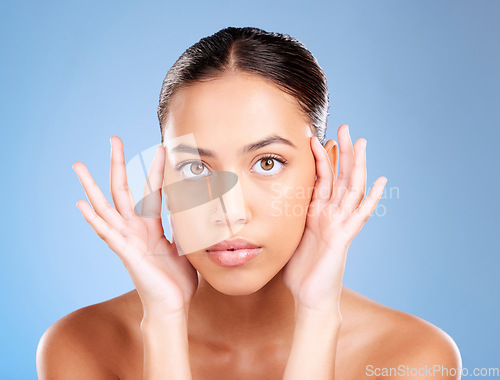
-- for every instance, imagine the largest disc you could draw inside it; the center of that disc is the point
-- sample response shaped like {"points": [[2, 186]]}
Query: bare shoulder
{"points": [[86, 342], [408, 344]]}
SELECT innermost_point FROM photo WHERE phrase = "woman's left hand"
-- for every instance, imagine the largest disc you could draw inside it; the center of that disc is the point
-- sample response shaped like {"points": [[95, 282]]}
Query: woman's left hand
{"points": [[336, 214]]}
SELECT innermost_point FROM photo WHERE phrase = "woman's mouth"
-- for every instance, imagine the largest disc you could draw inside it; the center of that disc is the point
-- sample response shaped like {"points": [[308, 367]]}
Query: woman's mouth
{"points": [[233, 257], [233, 252]]}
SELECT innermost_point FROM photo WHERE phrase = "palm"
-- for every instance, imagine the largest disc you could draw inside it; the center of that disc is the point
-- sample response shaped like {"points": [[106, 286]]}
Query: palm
{"points": [[165, 280], [306, 272], [176, 277], [335, 216]]}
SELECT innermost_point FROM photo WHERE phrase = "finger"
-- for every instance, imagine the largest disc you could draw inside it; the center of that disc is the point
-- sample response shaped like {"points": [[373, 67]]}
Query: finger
{"points": [[324, 172], [151, 198], [113, 238], [335, 168], [361, 215], [357, 187], [97, 199], [346, 160], [120, 191]]}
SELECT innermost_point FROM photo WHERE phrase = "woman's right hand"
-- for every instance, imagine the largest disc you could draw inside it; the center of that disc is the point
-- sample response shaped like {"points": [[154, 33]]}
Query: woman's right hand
{"points": [[165, 280]]}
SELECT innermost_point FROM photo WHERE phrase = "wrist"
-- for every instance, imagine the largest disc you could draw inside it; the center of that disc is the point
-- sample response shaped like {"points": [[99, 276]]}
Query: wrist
{"points": [[317, 323], [151, 319], [325, 314]]}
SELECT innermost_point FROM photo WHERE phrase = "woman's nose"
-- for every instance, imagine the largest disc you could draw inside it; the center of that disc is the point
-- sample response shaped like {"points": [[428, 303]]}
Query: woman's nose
{"points": [[231, 209]]}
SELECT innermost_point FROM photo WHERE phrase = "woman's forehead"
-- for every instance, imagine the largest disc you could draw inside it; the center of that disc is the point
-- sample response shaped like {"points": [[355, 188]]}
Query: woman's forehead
{"points": [[234, 104], [237, 100]]}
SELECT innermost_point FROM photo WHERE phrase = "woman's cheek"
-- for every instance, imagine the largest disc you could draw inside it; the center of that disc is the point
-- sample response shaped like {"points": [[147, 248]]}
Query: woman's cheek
{"points": [[285, 213], [288, 202]]}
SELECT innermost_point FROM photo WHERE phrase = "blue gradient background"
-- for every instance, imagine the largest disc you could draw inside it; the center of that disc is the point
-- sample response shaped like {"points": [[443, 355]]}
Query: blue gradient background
{"points": [[418, 79]]}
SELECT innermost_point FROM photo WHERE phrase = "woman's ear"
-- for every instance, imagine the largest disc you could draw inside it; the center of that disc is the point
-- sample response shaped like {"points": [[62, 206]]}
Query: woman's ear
{"points": [[331, 148]]}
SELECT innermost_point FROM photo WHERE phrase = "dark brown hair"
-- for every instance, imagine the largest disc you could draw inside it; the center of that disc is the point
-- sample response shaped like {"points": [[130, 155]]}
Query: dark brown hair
{"points": [[282, 59]]}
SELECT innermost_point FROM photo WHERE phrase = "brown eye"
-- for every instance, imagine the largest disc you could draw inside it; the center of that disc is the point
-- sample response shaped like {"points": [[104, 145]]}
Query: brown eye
{"points": [[267, 164], [193, 169], [196, 168]]}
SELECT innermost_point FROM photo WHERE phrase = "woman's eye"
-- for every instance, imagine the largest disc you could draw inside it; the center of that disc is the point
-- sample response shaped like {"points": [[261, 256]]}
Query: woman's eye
{"points": [[192, 169], [269, 165]]}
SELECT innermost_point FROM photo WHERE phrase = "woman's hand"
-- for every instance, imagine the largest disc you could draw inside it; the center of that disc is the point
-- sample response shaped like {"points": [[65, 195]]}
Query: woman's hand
{"points": [[335, 216], [164, 280]]}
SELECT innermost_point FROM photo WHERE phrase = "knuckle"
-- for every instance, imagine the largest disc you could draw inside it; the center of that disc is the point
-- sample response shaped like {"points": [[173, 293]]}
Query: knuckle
{"points": [[105, 232], [356, 193], [108, 209], [363, 214], [366, 217], [125, 230], [123, 186]]}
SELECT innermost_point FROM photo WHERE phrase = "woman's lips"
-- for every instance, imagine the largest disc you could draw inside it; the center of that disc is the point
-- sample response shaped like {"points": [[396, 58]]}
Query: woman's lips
{"points": [[233, 258], [236, 243]]}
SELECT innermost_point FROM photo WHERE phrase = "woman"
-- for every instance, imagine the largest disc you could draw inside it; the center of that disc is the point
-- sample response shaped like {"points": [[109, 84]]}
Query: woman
{"points": [[251, 105]]}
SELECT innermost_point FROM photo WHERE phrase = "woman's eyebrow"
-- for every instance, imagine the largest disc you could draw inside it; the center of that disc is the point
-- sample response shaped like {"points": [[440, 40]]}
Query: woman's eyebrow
{"points": [[273, 139]]}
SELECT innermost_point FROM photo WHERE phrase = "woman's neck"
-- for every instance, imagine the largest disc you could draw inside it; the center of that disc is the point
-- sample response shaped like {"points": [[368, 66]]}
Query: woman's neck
{"points": [[268, 315]]}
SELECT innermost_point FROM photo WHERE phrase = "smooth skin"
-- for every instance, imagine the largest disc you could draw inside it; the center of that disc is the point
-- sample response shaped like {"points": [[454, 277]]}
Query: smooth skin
{"points": [[285, 315]]}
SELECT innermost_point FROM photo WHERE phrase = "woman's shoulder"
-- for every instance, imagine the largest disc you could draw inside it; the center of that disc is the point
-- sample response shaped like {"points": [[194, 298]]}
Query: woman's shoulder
{"points": [[88, 340], [395, 338]]}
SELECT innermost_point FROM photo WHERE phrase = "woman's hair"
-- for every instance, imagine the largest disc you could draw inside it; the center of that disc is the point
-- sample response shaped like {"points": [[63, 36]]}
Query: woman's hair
{"points": [[282, 59]]}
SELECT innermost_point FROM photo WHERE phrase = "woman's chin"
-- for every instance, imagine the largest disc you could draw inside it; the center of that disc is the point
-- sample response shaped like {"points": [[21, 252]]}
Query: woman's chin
{"points": [[237, 290], [237, 287]]}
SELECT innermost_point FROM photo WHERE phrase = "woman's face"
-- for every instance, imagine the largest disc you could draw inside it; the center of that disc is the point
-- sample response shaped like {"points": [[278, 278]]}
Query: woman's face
{"points": [[268, 204]]}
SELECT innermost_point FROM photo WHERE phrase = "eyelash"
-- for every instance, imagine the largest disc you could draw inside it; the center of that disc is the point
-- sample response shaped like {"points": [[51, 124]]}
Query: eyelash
{"points": [[281, 160]]}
